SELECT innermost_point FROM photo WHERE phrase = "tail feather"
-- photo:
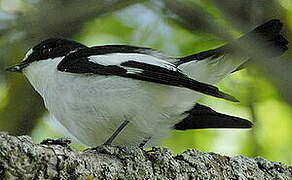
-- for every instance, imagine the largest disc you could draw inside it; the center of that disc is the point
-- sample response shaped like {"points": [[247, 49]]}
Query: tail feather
{"points": [[213, 65], [201, 117], [269, 34], [269, 29], [267, 37]]}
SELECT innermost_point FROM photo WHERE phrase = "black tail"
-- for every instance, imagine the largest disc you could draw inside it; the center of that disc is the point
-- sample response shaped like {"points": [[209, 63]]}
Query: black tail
{"points": [[201, 117], [266, 36]]}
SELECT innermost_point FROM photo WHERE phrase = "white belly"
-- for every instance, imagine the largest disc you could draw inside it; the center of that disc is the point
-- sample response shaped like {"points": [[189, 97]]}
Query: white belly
{"points": [[93, 107]]}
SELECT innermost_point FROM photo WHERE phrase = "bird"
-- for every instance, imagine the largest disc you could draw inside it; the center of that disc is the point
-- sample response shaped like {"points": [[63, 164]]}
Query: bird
{"points": [[125, 95]]}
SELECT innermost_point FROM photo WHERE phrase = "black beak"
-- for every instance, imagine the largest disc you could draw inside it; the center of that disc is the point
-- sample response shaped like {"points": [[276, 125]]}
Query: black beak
{"points": [[17, 67]]}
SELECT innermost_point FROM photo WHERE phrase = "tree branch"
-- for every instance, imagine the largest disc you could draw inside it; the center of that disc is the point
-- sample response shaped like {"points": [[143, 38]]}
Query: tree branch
{"points": [[20, 158]]}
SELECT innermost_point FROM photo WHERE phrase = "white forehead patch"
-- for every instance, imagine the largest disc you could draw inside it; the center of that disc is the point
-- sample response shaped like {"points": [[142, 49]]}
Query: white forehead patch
{"points": [[27, 54]]}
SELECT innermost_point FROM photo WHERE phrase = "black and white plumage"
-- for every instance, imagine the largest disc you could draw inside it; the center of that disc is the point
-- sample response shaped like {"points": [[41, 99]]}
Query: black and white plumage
{"points": [[93, 90]]}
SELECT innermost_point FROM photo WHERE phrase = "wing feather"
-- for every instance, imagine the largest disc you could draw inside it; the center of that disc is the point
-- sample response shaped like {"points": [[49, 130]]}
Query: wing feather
{"points": [[136, 66]]}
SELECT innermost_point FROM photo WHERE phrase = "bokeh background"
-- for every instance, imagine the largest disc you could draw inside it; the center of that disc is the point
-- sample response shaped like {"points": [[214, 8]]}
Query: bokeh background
{"points": [[175, 27]]}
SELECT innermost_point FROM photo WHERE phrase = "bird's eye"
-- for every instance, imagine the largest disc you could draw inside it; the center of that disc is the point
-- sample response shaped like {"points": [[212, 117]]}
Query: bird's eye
{"points": [[45, 51]]}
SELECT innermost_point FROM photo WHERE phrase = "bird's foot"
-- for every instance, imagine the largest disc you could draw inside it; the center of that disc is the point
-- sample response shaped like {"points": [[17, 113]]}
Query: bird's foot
{"points": [[141, 145]]}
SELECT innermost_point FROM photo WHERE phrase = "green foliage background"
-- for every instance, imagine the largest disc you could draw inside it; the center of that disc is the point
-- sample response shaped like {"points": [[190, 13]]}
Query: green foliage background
{"points": [[149, 24]]}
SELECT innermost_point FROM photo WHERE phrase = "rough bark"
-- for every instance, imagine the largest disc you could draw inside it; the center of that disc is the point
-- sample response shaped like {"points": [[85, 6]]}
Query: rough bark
{"points": [[20, 158]]}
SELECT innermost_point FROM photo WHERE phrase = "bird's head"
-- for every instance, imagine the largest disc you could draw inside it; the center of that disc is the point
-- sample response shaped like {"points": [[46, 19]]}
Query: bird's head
{"points": [[47, 50]]}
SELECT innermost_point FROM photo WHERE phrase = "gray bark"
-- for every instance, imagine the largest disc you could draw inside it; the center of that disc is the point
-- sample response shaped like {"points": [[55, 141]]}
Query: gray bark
{"points": [[20, 158]]}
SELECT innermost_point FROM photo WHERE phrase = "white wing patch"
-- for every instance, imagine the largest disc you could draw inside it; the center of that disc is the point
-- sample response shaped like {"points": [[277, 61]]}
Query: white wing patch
{"points": [[134, 70], [211, 70], [119, 58]]}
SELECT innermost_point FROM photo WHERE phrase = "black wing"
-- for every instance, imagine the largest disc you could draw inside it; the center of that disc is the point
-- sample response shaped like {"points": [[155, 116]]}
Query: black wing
{"points": [[201, 117], [111, 49], [78, 62], [165, 76]]}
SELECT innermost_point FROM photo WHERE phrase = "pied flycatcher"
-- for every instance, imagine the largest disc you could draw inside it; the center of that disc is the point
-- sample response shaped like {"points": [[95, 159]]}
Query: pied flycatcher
{"points": [[130, 96]]}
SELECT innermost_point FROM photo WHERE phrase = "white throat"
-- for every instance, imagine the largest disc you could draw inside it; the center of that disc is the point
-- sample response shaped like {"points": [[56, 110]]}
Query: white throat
{"points": [[41, 73]]}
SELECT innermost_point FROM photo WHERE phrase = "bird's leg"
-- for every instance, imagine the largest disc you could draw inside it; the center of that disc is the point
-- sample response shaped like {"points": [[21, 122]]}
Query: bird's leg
{"points": [[116, 133], [141, 145]]}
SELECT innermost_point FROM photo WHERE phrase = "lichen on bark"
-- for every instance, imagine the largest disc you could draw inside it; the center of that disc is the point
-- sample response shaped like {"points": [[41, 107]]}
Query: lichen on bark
{"points": [[20, 158]]}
